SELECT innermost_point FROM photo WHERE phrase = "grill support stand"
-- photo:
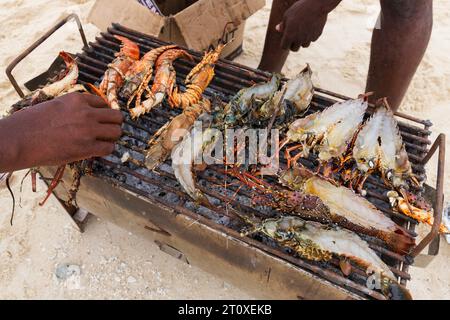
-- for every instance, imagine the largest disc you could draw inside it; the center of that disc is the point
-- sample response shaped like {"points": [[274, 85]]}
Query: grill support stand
{"points": [[432, 240]]}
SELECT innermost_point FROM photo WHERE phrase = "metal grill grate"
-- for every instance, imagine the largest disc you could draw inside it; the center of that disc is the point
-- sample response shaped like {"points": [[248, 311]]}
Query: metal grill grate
{"points": [[161, 187]]}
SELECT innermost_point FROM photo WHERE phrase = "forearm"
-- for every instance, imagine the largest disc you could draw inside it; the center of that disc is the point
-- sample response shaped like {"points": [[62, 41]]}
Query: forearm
{"points": [[9, 146], [274, 57]]}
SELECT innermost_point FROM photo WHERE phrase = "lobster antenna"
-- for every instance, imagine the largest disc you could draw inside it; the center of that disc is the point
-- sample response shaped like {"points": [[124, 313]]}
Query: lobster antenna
{"points": [[366, 95], [383, 102], [12, 196]]}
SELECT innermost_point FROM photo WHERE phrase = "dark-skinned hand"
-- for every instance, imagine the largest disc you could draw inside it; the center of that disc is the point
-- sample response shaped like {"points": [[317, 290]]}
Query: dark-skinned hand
{"points": [[304, 22], [67, 129]]}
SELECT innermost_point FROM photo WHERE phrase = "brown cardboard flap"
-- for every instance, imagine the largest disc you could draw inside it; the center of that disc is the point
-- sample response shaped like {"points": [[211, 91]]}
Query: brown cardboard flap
{"points": [[128, 13], [205, 20]]}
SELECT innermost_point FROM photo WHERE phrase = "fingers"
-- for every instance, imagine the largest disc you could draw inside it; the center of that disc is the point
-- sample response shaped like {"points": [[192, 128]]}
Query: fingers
{"points": [[316, 35], [95, 101], [286, 41], [102, 148], [108, 116], [107, 132], [295, 47]]}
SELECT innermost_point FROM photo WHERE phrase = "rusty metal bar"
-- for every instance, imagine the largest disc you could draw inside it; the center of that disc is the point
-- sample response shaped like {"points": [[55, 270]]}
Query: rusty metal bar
{"points": [[36, 44], [439, 201]]}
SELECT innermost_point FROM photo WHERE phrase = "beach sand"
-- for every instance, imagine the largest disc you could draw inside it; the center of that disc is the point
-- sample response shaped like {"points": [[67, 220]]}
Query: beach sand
{"points": [[116, 264]]}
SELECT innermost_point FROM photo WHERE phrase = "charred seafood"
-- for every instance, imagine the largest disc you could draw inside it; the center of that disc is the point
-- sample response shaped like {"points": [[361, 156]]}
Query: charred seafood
{"points": [[312, 197], [379, 147], [173, 133], [115, 74], [317, 242], [139, 75], [297, 91], [196, 81], [163, 83], [327, 133]]}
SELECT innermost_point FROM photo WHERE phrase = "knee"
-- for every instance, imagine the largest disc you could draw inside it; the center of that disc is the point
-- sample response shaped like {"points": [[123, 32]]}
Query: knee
{"points": [[401, 10]]}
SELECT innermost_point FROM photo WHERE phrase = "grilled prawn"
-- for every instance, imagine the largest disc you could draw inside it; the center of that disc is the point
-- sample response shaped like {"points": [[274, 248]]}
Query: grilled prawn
{"points": [[65, 84], [60, 87], [314, 198], [139, 74], [317, 242], [115, 74], [196, 81], [379, 146], [299, 91], [421, 215], [163, 83], [356, 210], [183, 157], [173, 132], [246, 99], [328, 132]]}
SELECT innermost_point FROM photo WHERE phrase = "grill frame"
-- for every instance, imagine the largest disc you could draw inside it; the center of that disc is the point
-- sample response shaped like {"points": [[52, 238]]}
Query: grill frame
{"points": [[225, 76]]}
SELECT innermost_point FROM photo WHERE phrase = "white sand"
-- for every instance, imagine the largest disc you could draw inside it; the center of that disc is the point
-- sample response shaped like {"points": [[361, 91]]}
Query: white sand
{"points": [[116, 264]]}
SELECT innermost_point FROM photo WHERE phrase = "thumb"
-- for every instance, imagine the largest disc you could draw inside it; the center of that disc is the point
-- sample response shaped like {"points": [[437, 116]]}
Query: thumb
{"points": [[279, 27]]}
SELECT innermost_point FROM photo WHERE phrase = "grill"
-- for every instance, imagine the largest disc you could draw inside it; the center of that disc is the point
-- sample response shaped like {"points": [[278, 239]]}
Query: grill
{"points": [[154, 205]]}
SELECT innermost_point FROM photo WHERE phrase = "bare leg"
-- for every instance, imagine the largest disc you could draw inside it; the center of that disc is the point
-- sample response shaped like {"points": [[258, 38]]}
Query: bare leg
{"points": [[274, 56], [398, 47]]}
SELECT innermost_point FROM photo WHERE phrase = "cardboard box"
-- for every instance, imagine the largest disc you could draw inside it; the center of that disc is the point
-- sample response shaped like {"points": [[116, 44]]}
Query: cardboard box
{"points": [[199, 25]]}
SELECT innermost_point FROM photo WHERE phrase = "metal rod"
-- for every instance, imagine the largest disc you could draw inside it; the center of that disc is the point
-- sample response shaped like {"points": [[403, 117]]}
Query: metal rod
{"points": [[36, 44], [439, 202]]}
